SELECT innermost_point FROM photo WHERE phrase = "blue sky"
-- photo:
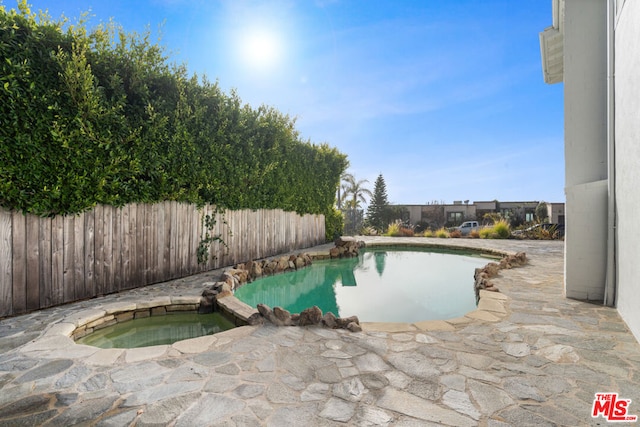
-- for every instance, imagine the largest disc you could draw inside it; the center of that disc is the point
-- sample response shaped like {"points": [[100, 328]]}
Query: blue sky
{"points": [[445, 98]]}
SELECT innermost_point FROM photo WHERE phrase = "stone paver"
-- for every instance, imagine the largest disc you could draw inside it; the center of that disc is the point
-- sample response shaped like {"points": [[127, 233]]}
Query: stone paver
{"points": [[527, 356]]}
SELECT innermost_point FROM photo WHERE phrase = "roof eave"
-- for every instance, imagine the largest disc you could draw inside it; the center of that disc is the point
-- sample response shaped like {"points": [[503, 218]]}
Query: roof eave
{"points": [[552, 46]]}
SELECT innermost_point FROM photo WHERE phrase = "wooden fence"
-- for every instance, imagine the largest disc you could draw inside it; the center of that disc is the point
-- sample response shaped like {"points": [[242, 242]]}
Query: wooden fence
{"points": [[51, 261]]}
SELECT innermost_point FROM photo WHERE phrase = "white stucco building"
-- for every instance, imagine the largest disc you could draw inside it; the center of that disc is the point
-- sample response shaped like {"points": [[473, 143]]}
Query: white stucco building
{"points": [[593, 46]]}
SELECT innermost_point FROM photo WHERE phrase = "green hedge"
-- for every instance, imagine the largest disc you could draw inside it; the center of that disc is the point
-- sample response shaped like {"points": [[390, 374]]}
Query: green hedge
{"points": [[101, 117]]}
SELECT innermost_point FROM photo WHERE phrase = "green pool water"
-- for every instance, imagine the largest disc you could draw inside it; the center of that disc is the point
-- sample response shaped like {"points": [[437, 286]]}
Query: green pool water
{"points": [[157, 330], [381, 285]]}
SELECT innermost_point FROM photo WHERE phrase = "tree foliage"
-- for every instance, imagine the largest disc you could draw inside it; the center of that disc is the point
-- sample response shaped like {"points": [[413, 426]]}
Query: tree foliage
{"points": [[354, 192], [541, 213], [102, 117], [343, 188], [378, 211]]}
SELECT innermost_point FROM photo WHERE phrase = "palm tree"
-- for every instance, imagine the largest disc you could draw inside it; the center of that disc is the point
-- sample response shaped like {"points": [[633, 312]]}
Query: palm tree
{"points": [[357, 190], [354, 192], [342, 187]]}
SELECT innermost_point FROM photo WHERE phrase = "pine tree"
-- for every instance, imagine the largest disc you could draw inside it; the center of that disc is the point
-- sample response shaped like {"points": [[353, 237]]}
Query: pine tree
{"points": [[377, 212]]}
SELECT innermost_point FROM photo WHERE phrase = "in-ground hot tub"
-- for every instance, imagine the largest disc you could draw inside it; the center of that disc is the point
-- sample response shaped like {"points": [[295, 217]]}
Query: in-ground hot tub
{"points": [[161, 321]]}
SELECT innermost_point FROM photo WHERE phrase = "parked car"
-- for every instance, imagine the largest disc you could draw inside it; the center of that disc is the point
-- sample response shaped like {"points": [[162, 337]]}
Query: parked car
{"points": [[467, 227]]}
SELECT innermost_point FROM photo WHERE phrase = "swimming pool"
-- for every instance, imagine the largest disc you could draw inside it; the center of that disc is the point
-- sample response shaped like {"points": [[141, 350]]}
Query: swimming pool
{"points": [[380, 285]]}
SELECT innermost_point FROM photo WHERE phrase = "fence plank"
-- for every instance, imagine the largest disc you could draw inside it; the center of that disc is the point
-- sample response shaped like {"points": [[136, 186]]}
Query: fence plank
{"points": [[185, 233], [152, 244], [184, 238], [94, 248], [218, 251], [139, 267], [135, 233], [68, 279], [225, 258], [57, 260], [45, 268], [19, 286], [127, 238], [147, 242], [235, 238], [215, 230], [6, 267], [19, 238], [78, 257], [180, 248], [107, 254], [33, 262], [186, 251], [164, 253], [239, 237], [149, 239], [255, 251], [194, 239], [173, 239], [176, 239], [116, 249], [219, 229], [202, 230]]}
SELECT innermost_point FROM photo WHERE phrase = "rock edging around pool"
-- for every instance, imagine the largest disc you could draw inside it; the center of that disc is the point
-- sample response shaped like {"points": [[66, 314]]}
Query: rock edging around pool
{"points": [[482, 275], [219, 295]]}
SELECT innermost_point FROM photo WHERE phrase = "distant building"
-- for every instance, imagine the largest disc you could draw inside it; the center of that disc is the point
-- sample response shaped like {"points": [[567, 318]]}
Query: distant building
{"points": [[439, 215]]}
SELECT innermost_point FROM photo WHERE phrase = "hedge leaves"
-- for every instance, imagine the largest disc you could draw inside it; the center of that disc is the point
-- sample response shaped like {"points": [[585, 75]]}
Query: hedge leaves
{"points": [[101, 117]]}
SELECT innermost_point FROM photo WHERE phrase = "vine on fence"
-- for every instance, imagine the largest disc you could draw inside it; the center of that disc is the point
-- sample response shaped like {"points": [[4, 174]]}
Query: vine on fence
{"points": [[208, 223]]}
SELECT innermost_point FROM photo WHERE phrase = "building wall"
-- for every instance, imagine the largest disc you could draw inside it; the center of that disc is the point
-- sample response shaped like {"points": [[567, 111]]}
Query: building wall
{"points": [[468, 211], [555, 212], [585, 93], [486, 206], [627, 157], [415, 213], [436, 215]]}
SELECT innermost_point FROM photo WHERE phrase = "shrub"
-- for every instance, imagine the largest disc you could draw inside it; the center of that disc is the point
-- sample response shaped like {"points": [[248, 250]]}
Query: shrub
{"points": [[393, 229], [546, 234], [333, 224], [499, 230], [541, 233], [421, 227], [369, 231], [502, 229], [485, 233], [406, 232], [442, 233], [474, 234], [428, 233], [455, 234]]}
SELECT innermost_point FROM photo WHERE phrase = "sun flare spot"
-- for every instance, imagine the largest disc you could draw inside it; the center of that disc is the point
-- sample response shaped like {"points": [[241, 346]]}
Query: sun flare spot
{"points": [[261, 49]]}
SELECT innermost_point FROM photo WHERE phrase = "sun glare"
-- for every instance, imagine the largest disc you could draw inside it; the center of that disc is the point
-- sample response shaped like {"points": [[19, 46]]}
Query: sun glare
{"points": [[261, 49]]}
